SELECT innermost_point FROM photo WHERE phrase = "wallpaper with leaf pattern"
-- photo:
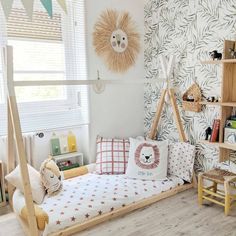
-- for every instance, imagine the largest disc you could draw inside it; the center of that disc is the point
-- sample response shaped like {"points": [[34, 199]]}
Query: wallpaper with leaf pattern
{"points": [[188, 29]]}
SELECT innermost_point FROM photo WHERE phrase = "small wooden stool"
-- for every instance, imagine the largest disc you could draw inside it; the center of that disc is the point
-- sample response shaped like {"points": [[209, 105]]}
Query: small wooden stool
{"points": [[212, 193]]}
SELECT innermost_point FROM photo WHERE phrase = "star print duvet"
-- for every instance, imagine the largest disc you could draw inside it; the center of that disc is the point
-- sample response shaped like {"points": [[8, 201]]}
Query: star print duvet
{"points": [[85, 197]]}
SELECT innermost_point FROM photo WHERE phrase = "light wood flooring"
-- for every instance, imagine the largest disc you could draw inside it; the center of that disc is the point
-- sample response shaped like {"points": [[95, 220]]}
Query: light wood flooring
{"points": [[179, 215]]}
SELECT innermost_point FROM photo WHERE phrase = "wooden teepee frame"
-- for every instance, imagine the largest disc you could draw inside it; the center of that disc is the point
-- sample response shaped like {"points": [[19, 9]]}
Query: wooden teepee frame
{"points": [[15, 136], [167, 69], [171, 94]]}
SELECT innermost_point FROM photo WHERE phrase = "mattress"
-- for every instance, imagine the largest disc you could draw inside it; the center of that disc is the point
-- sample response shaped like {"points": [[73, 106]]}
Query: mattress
{"points": [[85, 197]]}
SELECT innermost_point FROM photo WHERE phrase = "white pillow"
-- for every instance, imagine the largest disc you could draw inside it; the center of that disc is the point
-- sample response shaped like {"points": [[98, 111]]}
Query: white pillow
{"points": [[38, 191], [181, 160], [147, 160]]}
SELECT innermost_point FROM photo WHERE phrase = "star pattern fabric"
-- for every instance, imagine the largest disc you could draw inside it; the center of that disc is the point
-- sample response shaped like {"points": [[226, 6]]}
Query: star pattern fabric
{"points": [[83, 198]]}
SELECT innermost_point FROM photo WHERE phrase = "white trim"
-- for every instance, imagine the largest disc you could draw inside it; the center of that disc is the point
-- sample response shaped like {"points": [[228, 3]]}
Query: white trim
{"points": [[84, 82]]}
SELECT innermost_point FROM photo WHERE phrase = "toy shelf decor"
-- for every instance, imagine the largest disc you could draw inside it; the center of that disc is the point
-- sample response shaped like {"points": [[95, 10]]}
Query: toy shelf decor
{"points": [[63, 144], [228, 98], [2, 187], [69, 160], [192, 98]]}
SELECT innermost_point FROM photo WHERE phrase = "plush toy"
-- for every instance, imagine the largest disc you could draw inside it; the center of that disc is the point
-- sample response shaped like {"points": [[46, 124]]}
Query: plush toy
{"points": [[208, 133], [51, 177], [215, 55], [232, 53]]}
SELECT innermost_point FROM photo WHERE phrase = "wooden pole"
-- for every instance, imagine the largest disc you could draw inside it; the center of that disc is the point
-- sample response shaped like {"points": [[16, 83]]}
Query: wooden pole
{"points": [[177, 116], [10, 151], [8, 75], [157, 117]]}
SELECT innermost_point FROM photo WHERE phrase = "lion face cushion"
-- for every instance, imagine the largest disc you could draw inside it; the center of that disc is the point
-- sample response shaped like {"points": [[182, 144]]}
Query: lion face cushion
{"points": [[51, 177], [147, 160]]}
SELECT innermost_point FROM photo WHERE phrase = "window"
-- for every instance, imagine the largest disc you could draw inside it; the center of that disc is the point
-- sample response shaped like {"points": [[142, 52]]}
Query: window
{"points": [[48, 49], [33, 61]]}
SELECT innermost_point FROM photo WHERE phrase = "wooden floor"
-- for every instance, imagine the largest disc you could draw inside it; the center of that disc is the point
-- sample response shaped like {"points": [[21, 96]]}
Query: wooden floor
{"points": [[176, 216]]}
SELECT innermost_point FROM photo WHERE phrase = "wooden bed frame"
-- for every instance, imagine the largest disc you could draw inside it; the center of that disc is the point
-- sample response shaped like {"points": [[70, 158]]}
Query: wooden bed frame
{"points": [[14, 130]]}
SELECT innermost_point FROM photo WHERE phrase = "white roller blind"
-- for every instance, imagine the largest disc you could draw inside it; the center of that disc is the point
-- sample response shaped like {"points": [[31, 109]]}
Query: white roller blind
{"points": [[41, 26]]}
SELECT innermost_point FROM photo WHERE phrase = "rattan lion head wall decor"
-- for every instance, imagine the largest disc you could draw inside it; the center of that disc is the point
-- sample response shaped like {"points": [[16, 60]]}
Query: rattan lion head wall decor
{"points": [[116, 40]]}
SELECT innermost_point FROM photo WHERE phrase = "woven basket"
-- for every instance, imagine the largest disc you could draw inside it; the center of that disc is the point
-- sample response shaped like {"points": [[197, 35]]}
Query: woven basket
{"points": [[196, 94]]}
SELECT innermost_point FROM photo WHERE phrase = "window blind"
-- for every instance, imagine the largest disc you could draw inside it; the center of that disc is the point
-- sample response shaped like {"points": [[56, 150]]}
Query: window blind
{"points": [[48, 49], [41, 26]]}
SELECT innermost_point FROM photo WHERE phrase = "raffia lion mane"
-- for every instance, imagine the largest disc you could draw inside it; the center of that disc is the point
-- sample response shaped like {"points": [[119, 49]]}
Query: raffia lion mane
{"points": [[109, 21]]}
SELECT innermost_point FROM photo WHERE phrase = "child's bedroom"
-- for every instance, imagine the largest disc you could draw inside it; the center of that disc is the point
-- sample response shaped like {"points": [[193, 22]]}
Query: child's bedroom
{"points": [[118, 117]]}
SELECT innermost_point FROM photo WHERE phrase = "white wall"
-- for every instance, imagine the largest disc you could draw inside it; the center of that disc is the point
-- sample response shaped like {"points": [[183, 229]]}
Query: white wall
{"points": [[119, 111]]}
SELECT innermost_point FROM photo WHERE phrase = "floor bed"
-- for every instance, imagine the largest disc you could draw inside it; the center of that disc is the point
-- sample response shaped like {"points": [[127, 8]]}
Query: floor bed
{"points": [[90, 199]]}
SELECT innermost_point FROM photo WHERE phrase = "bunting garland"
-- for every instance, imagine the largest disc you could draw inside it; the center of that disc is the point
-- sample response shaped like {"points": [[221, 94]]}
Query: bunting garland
{"points": [[7, 6], [29, 5], [47, 4], [62, 3]]}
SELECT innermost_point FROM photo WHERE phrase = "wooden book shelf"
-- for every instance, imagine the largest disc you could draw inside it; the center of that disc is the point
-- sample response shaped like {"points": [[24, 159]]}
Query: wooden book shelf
{"points": [[228, 97]]}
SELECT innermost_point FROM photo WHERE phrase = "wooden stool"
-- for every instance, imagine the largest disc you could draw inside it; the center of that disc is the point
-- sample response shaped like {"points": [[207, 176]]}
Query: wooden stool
{"points": [[212, 193]]}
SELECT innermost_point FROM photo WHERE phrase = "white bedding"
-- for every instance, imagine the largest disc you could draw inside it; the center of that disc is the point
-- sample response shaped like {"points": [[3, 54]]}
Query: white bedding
{"points": [[91, 195]]}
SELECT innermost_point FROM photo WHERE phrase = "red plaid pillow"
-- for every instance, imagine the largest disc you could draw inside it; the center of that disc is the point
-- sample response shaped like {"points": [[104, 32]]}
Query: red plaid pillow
{"points": [[112, 155]]}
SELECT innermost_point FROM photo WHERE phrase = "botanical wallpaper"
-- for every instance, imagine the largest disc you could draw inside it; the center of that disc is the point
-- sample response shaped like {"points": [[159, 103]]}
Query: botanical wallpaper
{"points": [[188, 29]]}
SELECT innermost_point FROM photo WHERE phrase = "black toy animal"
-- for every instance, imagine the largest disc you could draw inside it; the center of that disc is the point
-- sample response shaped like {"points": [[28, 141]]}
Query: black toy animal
{"points": [[215, 55], [208, 133], [232, 53]]}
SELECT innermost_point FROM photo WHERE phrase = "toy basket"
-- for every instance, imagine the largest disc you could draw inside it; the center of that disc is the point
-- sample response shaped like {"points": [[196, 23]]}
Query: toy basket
{"points": [[195, 92]]}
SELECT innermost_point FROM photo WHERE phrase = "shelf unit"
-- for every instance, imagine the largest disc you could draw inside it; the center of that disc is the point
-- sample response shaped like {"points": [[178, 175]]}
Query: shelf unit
{"points": [[223, 61], [74, 157], [228, 97]]}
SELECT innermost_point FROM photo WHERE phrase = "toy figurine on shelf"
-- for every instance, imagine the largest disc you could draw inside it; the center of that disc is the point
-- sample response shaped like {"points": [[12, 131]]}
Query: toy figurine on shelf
{"points": [[208, 133], [232, 53], [190, 98], [213, 99], [215, 55]]}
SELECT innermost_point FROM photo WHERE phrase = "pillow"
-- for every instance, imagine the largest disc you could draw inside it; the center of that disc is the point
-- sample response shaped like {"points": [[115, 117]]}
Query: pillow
{"points": [[51, 177], [147, 160], [112, 155], [42, 217], [38, 192], [181, 160]]}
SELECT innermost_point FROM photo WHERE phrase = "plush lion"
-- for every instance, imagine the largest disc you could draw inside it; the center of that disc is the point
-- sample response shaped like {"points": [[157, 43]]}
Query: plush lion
{"points": [[51, 177]]}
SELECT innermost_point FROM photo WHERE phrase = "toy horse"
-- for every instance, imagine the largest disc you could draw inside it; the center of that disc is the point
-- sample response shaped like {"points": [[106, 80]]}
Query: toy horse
{"points": [[215, 55]]}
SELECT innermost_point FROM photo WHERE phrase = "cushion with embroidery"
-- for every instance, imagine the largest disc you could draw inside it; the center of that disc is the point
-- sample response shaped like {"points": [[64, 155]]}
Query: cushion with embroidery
{"points": [[147, 159]]}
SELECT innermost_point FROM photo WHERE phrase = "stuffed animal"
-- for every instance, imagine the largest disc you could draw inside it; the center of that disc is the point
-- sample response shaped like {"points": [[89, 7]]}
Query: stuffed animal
{"points": [[215, 55], [232, 53], [51, 177], [208, 133]]}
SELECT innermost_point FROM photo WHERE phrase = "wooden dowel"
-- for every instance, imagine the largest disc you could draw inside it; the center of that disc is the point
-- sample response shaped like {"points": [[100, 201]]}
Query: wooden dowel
{"points": [[157, 117], [213, 200], [214, 194], [10, 152], [177, 115], [8, 75]]}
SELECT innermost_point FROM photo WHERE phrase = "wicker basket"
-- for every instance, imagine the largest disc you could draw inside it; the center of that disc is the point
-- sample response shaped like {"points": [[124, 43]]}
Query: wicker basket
{"points": [[195, 92]]}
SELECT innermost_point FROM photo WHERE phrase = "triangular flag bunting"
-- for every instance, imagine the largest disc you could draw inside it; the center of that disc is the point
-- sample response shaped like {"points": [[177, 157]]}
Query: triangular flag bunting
{"points": [[48, 6], [62, 3], [29, 6], [7, 6]]}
